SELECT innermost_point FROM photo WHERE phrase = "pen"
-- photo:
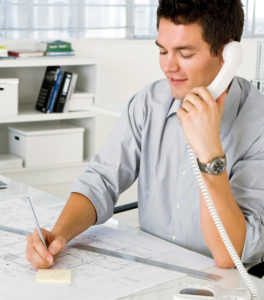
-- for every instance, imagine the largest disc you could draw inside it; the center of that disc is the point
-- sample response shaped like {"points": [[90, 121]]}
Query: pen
{"points": [[36, 223]]}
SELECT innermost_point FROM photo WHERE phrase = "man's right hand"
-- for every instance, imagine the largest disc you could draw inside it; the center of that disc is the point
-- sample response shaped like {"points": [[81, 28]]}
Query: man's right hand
{"points": [[36, 252]]}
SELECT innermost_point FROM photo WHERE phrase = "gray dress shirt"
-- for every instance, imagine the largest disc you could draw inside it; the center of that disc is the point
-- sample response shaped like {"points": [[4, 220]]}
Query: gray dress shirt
{"points": [[148, 143]]}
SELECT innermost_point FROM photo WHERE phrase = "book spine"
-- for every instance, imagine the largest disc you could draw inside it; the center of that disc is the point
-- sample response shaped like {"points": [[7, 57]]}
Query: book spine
{"points": [[54, 91], [13, 53], [46, 88], [71, 90], [60, 53], [63, 92]]}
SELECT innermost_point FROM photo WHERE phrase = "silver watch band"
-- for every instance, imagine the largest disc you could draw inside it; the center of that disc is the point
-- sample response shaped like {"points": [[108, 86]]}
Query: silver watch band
{"points": [[215, 167]]}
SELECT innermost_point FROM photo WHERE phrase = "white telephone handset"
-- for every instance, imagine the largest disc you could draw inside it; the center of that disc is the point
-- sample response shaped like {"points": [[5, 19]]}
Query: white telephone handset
{"points": [[232, 56]]}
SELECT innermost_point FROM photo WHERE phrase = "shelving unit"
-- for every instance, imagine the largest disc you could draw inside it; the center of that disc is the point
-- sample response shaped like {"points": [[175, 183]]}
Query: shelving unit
{"points": [[30, 72]]}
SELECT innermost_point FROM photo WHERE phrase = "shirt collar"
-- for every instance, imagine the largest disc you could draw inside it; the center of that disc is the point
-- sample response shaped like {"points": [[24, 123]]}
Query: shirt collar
{"points": [[176, 104], [232, 102]]}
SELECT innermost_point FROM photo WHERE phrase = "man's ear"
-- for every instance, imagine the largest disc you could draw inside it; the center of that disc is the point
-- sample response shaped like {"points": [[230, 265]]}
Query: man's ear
{"points": [[220, 53]]}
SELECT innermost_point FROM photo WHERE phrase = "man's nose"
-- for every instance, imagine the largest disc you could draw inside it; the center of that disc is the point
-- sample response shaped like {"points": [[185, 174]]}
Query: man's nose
{"points": [[172, 63]]}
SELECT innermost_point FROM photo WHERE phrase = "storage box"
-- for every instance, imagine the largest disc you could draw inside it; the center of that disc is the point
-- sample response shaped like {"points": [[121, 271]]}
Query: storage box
{"points": [[80, 101], [10, 162], [8, 96], [43, 144]]}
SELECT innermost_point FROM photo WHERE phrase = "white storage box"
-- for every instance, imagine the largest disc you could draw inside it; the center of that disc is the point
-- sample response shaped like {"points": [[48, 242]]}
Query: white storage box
{"points": [[80, 101], [8, 96], [8, 162], [43, 144]]}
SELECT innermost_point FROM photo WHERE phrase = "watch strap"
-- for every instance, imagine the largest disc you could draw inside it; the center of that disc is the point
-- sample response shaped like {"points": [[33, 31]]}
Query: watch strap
{"points": [[214, 167]]}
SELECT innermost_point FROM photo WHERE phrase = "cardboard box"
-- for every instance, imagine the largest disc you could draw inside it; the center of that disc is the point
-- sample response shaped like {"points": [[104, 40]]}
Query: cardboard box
{"points": [[44, 144]]}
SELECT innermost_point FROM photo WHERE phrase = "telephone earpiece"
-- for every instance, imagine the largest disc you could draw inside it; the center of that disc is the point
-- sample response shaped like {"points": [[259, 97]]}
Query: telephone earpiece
{"points": [[232, 56]]}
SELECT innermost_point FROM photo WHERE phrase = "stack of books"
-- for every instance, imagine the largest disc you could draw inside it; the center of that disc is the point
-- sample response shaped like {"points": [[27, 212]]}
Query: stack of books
{"points": [[58, 48], [25, 53], [4, 53], [56, 90]]}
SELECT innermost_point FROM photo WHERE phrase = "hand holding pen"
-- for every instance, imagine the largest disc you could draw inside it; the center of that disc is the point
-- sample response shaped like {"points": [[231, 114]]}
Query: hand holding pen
{"points": [[36, 223], [42, 245]]}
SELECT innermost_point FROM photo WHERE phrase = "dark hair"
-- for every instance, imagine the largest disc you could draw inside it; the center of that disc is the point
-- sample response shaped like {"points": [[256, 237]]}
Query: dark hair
{"points": [[221, 20]]}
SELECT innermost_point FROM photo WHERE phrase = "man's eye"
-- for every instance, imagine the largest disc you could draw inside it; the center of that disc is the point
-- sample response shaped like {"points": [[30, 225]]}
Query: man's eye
{"points": [[186, 55], [163, 53]]}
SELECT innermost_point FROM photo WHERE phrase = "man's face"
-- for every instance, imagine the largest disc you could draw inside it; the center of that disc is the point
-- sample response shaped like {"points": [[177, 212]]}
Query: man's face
{"points": [[185, 58]]}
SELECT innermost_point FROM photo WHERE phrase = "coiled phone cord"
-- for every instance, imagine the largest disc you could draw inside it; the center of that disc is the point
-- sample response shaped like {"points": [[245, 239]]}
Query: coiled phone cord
{"points": [[220, 227]]}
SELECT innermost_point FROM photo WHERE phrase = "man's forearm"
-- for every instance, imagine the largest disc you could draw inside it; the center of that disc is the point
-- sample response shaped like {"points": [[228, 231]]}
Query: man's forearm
{"points": [[231, 216], [77, 215]]}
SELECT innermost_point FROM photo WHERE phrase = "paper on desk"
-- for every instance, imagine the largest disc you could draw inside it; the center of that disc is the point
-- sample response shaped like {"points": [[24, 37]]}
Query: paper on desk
{"points": [[95, 276], [16, 213]]}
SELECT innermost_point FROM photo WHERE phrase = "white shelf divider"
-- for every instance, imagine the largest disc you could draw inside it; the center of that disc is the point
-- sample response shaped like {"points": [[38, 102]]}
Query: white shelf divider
{"points": [[47, 61], [27, 113]]}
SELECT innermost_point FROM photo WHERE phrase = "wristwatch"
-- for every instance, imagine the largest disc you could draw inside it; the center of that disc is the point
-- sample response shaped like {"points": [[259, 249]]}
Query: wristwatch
{"points": [[215, 167]]}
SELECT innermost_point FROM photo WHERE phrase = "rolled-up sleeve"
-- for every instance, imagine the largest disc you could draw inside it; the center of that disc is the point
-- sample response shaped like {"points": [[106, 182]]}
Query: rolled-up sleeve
{"points": [[248, 188], [116, 166]]}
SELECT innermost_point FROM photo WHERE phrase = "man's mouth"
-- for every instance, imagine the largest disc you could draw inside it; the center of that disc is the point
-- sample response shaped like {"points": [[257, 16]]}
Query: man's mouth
{"points": [[177, 81]]}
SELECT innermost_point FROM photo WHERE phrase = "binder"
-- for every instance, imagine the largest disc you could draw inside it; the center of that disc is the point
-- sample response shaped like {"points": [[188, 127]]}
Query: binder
{"points": [[47, 87], [63, 92], [54, 91], [71, 90]]}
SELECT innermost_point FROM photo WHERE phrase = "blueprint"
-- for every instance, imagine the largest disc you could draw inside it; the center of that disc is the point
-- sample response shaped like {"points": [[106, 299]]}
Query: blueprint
{"points": [[94, 276]]}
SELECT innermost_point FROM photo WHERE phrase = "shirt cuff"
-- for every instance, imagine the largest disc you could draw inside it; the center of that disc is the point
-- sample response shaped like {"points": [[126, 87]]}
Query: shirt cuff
{"points": [[103, 205]]}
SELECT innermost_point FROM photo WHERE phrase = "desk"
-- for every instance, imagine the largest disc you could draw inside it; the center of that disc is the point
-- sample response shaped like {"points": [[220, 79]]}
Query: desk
{"points": [[164, 290]]}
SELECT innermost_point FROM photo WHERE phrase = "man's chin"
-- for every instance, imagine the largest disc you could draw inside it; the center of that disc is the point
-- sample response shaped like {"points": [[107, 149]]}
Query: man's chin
{"points": [[178, 96], [177, 93]]}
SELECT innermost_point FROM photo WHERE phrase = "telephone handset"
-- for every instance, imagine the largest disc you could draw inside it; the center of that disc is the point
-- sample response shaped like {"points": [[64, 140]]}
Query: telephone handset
{"points": [[232, 56]]}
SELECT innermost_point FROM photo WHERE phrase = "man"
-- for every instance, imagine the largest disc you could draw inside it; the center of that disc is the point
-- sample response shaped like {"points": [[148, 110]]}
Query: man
{"points": [[149, 143]]}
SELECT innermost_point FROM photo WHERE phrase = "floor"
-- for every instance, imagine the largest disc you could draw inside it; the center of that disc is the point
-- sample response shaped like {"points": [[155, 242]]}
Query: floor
{"points": [[129, 217]]}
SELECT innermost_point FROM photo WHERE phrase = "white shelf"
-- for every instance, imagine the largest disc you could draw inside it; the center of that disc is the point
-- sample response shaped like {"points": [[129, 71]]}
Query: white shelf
{"points": [[48, 61], [53, 174], [27, 113], [47, 167], [112, 109], [30, 72]]}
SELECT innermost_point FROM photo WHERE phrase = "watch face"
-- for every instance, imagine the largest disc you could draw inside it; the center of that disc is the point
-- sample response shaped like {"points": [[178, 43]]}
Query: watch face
{"points": [[217, 166]]}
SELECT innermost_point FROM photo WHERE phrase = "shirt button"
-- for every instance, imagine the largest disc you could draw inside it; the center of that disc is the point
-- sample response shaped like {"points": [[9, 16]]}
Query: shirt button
{"points": [[178, 205], [173, 237], [183, 172]]}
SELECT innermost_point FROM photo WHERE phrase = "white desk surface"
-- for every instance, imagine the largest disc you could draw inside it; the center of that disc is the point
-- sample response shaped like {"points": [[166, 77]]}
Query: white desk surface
{"points": [[162, 291]]}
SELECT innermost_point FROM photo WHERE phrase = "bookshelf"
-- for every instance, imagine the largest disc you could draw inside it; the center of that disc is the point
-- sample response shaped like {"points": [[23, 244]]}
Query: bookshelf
{"points": [[30, 72]]}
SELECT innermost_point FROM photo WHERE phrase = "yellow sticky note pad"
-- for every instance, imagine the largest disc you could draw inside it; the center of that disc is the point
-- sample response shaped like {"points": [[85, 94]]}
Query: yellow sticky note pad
{"points": [[54, 275]]}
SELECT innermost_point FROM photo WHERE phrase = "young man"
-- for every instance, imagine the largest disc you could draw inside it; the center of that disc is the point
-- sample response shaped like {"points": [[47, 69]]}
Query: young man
{"points": [[149, 143]]}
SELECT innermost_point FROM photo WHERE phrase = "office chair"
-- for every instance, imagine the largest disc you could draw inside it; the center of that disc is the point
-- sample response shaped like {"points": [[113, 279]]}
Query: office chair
{"points": [[125, 207]]}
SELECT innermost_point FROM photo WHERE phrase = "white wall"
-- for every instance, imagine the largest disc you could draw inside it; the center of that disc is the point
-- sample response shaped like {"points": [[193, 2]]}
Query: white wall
{"points": [[124, 68]]}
